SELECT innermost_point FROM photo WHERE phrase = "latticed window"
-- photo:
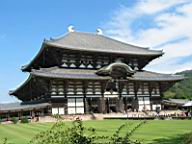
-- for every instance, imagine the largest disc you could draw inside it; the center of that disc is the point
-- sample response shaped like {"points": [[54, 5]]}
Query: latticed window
{"points": [[97, 87], [99, 63], [71, 88], [57, 88], [131, 88], [75, 88], [83, 62], [79, 88], [90, 88], [155, 89], [89, 62], [125, 90], [93, 88], [145, 88], [140, 89]]}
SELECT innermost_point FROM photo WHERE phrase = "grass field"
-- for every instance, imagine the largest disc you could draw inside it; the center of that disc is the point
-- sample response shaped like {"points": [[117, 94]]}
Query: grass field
{"points": [[153, 132]]}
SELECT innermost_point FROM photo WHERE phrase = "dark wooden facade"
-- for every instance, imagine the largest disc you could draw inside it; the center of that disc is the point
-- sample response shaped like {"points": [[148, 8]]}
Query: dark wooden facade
{"points": [[78, 80]]}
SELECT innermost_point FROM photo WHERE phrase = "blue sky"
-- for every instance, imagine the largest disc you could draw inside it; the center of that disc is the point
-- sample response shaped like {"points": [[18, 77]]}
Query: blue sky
{"points": [[157, 24]]}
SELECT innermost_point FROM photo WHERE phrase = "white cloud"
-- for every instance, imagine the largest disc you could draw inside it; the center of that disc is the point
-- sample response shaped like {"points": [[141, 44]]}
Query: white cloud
{"points": [[153, 6], [171, 30]]}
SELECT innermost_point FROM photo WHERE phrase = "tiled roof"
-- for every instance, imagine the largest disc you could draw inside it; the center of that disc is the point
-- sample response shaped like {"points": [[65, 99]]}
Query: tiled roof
{"points": [[153, 76], [175, 101], [14, 107], [85, 74], [98, 43], [56, 72]]}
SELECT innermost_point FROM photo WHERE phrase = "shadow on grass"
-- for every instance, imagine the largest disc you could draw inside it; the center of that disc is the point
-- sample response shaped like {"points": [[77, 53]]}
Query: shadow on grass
{"points": [[179, 139]]}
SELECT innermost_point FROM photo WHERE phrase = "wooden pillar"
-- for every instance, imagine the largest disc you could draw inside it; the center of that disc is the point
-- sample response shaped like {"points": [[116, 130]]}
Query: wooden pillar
{"points": [[102, 106], [86, 106], [136, 87], [65, 106], [125, 103], [8, 116], [150, 95], [107, 105], [120, 104], [84, 97], [42, 112], [161, 94], [30, 114], [66, 99], [103, 110]]}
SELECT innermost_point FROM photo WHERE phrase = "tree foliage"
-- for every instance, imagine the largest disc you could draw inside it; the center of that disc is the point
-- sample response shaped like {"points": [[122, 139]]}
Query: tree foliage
{"points": [[78, 134], [14, 120], [59, 134], [182, 89]]}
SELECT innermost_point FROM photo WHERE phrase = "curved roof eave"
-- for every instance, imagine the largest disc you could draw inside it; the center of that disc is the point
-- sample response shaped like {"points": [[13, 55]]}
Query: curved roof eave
{"points": [[138, 76], [158, 77], [25, 67], [62, 77], [158, 80], [13, 92], [49, 43]]}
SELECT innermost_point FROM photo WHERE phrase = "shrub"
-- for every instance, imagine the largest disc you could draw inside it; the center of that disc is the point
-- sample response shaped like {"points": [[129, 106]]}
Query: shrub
{"points": [[14, 120], [58, 117], [24, 120], [60, 134], [117, 139], [188, 138], [4, 141]]}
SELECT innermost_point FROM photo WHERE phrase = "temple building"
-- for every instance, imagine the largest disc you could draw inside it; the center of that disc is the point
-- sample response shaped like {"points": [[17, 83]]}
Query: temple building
{"points": [[90, 73]]}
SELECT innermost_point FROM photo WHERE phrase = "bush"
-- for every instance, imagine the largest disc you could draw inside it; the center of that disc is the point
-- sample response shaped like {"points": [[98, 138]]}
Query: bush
{"points": [[14, 120], [60, 134], [188, 138], [24, 120], [58, 117], [4, 141], [117, 139]]}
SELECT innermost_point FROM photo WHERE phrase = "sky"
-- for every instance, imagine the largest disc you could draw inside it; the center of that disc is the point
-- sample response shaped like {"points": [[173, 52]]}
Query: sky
{"points": [[157, 24]]}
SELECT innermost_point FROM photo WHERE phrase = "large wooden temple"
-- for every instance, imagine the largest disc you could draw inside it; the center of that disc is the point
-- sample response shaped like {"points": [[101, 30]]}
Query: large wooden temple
{"points": [[88, 72]]}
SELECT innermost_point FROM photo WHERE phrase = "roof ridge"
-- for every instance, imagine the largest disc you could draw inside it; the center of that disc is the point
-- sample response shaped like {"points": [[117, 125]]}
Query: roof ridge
{"points": [[67, 33]]}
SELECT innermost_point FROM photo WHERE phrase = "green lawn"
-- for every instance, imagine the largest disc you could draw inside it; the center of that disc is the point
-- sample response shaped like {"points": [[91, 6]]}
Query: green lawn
{"points": [[154, 132]]}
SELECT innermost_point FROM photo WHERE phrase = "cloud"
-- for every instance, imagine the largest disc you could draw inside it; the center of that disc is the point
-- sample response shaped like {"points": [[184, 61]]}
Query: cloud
{"points": [[164, 25]]}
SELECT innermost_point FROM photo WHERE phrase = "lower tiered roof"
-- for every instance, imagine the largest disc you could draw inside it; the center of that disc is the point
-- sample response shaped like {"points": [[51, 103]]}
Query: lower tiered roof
{"points": [[36, 76], [15, 107], [56, 72]]}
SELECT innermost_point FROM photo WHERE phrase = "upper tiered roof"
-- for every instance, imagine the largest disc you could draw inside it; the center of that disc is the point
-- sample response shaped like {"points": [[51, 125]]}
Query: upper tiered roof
{"points": [[93, 43], [98, 43]]}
